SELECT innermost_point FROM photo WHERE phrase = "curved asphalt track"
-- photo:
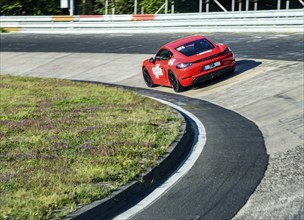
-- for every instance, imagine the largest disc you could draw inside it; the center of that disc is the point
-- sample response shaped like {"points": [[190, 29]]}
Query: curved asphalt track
{"points": [[234, 159], [227, 172]]}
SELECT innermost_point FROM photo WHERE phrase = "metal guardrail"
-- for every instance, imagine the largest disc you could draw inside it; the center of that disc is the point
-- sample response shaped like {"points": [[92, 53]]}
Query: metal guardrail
{"points": [[278, 21]]}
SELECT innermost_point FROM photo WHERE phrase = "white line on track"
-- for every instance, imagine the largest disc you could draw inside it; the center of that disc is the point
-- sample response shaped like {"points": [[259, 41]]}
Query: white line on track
{"points": [[181, 171]]}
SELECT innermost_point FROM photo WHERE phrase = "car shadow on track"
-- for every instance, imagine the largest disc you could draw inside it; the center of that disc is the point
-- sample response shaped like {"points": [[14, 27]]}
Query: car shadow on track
{"points": [[242, 66]]}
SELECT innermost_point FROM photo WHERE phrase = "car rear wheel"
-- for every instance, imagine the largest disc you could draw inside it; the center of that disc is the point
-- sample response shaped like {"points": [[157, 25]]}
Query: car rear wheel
{"points": [[147, 78], [177, 87]]}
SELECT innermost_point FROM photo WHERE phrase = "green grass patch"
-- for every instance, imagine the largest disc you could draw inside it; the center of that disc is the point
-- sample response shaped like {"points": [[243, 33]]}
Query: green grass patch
{"points": [[3, 30], [63, 144]]}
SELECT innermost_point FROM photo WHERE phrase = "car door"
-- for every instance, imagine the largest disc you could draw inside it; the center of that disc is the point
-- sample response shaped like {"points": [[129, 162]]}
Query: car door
{"points": [[160, 67]]}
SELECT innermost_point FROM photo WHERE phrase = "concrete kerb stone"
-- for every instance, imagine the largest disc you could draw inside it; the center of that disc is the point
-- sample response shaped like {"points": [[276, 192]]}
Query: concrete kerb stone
{"points": [[136, 190]]}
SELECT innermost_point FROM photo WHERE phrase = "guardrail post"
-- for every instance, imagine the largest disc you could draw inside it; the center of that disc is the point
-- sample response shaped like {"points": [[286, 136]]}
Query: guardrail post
{"points": [[200, 6], [247, 5], [240, 5], [172, 6], [207, 5], [135, 7], [166, 7], [71, 7], [279, 5], [233, 5], [106, 7], [287, 4], [256, 5]]}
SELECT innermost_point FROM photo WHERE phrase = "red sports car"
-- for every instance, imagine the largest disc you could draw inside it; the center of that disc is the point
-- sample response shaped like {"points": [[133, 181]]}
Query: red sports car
{"points": [[188, 61]]}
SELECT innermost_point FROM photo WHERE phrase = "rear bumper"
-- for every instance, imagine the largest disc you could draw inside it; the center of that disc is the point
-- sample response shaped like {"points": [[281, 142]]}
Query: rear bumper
{"points": [[212, 75]]}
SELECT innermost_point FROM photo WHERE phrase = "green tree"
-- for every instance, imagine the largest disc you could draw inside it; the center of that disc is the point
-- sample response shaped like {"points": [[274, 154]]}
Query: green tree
{"points": [[99, 7], [123, 6], [29, 7], [14, 8], [127, 6], [52, 7], [151, 6]]}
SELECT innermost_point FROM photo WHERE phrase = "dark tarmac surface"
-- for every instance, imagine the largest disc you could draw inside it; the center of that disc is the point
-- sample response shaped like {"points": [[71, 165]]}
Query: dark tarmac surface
{"points": [[227, 172], [234, 159], [254, 45]]}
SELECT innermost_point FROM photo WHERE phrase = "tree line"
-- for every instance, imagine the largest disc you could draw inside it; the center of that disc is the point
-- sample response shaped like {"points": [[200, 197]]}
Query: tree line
{"points": [[52, 7]]}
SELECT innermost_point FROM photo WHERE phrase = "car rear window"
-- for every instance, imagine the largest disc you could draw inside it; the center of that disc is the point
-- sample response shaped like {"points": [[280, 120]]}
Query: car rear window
{"points": [[195, 47]]}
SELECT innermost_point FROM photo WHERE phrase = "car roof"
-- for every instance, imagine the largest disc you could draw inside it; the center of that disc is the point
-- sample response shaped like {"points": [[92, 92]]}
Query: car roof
{"points": [[174, 44]]}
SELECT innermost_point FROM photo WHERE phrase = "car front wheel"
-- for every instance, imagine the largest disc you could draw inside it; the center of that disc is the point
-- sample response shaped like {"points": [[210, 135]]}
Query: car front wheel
{"points": [[177, 87]]}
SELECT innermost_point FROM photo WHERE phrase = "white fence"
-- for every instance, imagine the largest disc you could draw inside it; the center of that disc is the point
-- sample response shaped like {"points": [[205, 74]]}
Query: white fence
{"points": [[250, 21]]}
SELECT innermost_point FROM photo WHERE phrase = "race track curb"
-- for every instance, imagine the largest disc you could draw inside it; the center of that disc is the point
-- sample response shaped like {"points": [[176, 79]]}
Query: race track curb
{"points": [[135, 191]]}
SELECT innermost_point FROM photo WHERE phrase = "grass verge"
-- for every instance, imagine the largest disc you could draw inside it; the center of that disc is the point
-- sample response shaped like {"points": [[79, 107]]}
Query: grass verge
{"points": [[63, 143], [3, 30]]}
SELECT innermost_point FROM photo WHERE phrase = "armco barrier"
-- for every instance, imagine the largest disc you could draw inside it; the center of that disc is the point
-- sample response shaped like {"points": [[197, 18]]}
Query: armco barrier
{"points": [[146, 17], [249, 21], [62, 18]]}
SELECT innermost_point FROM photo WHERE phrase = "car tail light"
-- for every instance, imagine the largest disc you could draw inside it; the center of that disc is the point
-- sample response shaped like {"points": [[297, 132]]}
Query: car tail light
{"points": [[183, 65], [226, 51]]}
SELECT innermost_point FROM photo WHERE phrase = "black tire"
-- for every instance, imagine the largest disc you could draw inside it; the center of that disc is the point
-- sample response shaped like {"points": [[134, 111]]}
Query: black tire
{"points": [[147, 78], [177, 87], [233, 70]]}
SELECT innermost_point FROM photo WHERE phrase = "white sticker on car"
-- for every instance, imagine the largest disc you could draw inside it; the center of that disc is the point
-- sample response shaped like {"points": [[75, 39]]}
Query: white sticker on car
{"points": [[180, 48], [171, 62], [204, 52], [157, 71]]}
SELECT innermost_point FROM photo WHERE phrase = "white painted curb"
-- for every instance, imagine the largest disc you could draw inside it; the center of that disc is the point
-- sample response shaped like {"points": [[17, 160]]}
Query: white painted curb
{"points": [[179, 173]]}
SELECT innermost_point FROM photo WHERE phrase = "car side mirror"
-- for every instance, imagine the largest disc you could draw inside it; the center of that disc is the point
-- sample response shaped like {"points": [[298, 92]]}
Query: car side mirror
{"points": [[151, 60]]}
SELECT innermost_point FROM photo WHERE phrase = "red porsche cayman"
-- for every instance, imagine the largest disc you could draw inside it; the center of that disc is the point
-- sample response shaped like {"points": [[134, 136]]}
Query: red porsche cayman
{"points": [[188, 61]]}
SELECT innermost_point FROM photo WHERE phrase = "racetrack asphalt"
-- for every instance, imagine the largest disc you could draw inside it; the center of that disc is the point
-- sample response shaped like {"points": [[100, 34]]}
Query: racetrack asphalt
{"points": [[227, 172], [269, 92], [245, 45]]}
